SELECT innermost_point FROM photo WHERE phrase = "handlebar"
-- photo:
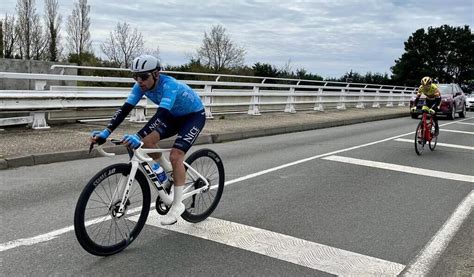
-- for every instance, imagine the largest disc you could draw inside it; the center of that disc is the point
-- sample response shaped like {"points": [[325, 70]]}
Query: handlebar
{"points": [[138, 152], [426, 109]]}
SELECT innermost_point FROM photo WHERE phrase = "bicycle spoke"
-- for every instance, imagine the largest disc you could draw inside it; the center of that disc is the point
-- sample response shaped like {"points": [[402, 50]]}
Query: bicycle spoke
{"points": [[105, 191], [103, 231], [100, 202], [126, 225], [199, 206], [114, 186], [119, 230], [94, 208], [108, 233], [134, 192], [105, 202], [99, 228], [109, 188]]}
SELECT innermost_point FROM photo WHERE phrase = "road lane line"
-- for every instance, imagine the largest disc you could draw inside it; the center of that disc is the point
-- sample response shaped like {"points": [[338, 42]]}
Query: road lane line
{"points": [[53, 234], [439, 144], [427, 258], [34, 240], [456, 131], [404, 169], [283, 247], [256, 174], [467, 123]]}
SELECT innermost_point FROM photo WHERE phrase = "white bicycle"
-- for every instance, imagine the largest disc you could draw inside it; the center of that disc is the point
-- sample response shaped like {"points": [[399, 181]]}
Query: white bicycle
{"points": [[113, 207]]}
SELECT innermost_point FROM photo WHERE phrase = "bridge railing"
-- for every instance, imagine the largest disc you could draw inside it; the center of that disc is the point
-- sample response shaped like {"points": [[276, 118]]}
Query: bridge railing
{"points": [[237, 94]]}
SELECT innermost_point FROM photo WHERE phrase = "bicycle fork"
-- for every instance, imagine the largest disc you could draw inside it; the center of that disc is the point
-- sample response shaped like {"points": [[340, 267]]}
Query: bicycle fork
{"points": [[125, 187]]}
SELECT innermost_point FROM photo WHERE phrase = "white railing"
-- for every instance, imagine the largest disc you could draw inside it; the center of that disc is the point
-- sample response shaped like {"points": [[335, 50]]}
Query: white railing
{"points": [[219, 97]]}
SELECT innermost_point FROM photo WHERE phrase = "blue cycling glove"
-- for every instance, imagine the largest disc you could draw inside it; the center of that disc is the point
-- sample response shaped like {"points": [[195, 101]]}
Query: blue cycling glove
{"points": [[101, 135], [132, 140]]}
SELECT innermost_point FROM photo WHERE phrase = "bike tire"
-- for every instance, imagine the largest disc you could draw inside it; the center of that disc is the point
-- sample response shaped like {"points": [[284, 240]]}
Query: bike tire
{"points": [[96, 192], [433, 142], [419, 139], [210, 166]]}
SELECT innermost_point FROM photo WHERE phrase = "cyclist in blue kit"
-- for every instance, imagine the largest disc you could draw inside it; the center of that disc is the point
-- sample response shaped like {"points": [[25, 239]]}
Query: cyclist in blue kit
{"points": [[180, 111]]}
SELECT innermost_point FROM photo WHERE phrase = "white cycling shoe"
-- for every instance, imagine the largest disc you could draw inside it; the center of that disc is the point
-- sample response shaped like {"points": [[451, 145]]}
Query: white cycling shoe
{"points": [[173, 214]]}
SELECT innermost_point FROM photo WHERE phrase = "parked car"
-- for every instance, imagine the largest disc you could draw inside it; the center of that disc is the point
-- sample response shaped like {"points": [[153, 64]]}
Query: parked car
{"points": [[453, 101], [470, 101]]}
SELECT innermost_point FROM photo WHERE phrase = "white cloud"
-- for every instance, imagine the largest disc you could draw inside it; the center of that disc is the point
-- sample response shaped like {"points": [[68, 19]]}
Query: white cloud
{"points": [[326, 37]]}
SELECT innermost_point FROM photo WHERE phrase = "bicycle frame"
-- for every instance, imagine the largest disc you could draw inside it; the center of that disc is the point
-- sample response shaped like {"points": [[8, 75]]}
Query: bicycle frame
{"points": [[427, 126], [140, 159]]}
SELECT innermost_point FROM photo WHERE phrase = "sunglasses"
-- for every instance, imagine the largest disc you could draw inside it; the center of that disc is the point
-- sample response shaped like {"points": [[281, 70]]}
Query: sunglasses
{"points": [[142, 76]]}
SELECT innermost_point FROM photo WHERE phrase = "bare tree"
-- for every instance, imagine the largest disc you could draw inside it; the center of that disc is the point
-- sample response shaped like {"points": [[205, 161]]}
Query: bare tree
{"points": [[218, 52], [52, 21], [155, 52], [9, 36], [77, 28], [1, 39], [123, 44], [27, 28], [38, 42]]}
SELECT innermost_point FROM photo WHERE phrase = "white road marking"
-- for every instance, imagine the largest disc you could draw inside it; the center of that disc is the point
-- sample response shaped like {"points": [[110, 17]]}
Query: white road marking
{"points": [[404, 169], [283, 247], [53, 234], [456, 131], [455, 122], [256, 174], [34, 240], [427, 258], [253, 175], [439, 144], [467, 123]]}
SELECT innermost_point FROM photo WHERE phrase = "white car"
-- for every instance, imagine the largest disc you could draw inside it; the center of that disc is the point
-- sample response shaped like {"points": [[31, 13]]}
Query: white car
{"points": [[470, 101]]}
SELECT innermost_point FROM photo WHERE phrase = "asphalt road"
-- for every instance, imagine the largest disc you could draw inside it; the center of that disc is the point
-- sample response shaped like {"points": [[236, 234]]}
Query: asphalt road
{"points": [[347, 200]]}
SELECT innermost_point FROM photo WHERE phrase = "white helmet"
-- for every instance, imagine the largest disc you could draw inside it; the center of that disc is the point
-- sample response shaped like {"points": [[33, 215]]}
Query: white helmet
{"points": [[145, 63]]}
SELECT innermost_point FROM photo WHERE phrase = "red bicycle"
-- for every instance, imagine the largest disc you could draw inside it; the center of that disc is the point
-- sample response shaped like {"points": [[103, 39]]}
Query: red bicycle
{"points": [[425, 132]]}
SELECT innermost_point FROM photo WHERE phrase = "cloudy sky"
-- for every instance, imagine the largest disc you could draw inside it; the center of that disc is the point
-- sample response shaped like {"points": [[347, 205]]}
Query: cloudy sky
{"points": [[325, 37]]}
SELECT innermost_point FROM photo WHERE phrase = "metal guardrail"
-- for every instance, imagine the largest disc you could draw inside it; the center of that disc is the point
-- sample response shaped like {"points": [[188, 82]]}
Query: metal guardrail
{"points": [[219, 97]]}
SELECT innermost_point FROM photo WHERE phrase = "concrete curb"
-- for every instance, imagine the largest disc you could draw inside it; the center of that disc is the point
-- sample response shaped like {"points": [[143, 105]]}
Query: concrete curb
{"points": [[46, 158]]}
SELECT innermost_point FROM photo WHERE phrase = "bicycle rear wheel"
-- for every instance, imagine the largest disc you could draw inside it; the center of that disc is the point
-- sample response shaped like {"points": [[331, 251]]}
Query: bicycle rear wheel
{"points": [[100, 229], [209, 165], [419, 139]]}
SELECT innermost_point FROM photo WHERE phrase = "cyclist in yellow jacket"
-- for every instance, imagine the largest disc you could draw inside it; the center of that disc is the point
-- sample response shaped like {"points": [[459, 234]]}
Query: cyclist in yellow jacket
{"points": [[433, 99]]}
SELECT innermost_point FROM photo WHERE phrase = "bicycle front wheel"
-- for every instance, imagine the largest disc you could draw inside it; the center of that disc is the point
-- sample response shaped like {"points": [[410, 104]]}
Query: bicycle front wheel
{"points": [[99, 226], [419, 139], [433, 141], [201, 205]]}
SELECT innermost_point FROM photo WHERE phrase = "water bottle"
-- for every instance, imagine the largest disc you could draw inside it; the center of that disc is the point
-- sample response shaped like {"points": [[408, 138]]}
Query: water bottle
{"points": [[160, 174]]}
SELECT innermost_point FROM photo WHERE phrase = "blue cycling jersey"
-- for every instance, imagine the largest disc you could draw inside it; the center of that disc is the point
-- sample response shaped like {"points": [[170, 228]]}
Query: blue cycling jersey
{"points": [[175, 96]]}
